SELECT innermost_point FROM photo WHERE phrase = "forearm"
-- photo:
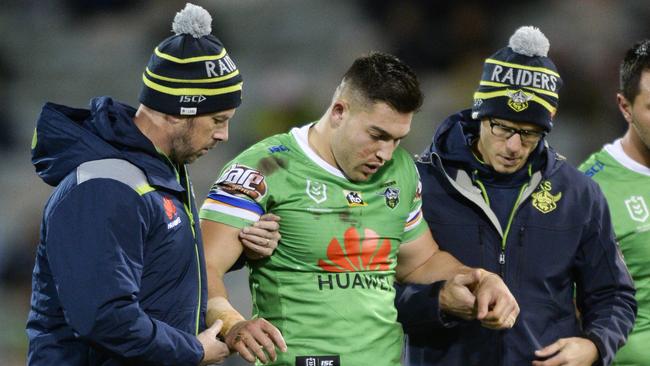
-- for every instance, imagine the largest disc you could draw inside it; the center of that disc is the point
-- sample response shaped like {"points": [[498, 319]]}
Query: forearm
{"points": [[219, 308], [222, 248], [440, 266]]}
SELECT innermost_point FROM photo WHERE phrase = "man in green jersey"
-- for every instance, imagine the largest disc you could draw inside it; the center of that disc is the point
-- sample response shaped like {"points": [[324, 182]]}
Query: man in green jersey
{"points": [[352, 223], [622, 169]]}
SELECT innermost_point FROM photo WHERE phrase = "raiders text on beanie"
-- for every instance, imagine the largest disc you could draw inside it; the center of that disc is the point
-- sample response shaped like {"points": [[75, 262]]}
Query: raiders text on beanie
{"points": [[519, 82], [191, 73]]}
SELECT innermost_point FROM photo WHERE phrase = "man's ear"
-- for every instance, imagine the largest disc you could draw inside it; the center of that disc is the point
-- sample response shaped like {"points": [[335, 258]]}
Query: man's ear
{"points": [[624, 106], [339, 112]]}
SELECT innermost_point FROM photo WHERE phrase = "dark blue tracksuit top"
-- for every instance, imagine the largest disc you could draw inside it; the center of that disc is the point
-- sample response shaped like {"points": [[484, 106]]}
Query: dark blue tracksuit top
{"points": [[119, 276], [546, 230]]}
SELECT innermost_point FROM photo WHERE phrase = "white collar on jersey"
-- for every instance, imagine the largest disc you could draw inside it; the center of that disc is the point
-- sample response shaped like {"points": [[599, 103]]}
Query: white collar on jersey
{"points": [[615, 149], [301, 135]]}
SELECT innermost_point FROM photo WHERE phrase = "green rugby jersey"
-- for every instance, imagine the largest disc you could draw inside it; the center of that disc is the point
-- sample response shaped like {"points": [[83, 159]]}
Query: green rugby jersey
{"points": [[626, 185], [329, 285]]}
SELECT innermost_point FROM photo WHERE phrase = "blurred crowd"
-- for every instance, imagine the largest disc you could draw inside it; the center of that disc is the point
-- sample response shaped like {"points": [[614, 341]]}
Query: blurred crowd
{"points": [[292, 54]]}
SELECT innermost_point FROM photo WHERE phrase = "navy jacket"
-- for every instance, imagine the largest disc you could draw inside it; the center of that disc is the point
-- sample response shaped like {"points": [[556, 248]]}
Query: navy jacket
{"points": [[119, 277], [560, 235]]}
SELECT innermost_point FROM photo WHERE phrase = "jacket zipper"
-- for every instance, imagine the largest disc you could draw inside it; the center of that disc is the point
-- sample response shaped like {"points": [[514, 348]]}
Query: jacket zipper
{"points": [[502, 253], [188, 211], [502, 256], [187, 206]]}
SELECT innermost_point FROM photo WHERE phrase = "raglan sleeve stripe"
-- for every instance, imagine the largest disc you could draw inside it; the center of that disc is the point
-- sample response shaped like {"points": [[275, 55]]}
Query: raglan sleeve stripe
{"points": [[414, 219], [236, 198]]}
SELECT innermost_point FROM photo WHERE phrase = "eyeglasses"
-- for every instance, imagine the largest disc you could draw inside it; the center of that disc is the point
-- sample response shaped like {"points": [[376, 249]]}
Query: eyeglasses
{"points": [[528, 137]]}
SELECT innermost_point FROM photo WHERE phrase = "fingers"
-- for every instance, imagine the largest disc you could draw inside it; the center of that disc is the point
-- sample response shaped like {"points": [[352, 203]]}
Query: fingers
{"points": [[483, 300], [214, 350], [268, 337], [551, 349], [255, 250], [256, 339], [501, 315], [261, 239], [241, 347], [216, 327], [270, 217], [505, 322], [466, 279], [253, 343], [456, 299], [259, 235], [497, 308], [267, 225], [276, 336]]}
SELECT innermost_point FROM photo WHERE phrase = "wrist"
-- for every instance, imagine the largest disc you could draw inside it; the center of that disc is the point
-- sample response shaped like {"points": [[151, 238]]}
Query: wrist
{"points": [[220, 309], [230, 319]]}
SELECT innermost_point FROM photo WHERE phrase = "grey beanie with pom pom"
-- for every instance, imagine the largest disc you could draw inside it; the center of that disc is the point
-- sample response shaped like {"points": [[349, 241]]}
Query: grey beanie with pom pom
{"points": [[190, 73], [519, 82]]}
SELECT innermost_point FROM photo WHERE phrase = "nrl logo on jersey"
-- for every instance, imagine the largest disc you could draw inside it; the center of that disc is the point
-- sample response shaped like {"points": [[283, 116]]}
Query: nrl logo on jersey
{"points": [[637, 208], [354, 198], [543, 200], [317, 191], [518, 99], [391, 196]]}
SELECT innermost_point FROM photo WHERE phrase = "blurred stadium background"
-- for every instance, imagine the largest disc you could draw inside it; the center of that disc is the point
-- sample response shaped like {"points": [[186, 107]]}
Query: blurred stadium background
{"points": [[292, 54]]}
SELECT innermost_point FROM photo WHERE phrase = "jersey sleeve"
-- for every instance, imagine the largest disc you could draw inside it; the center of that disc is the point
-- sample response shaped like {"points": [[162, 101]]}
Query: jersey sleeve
{"points": [[414, 226], [237, 198]]}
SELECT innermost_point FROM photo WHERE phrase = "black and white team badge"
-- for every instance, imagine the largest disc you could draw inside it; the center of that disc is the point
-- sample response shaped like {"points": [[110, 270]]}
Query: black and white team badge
{"points": [[391, 195]]}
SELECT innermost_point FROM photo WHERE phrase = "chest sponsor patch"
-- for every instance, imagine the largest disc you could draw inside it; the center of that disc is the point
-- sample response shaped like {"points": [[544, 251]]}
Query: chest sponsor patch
{"points": [[331, 360], [354, 198], [171, 213]]}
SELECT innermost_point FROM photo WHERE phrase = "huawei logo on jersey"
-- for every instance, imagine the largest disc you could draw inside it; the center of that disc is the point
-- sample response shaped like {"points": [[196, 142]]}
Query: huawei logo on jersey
{"points": [[356, 254]]}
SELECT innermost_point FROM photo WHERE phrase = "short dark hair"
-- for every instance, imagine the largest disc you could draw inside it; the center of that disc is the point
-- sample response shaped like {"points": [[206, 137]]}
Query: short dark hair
{"points": [[381, 77], [637, 59]]}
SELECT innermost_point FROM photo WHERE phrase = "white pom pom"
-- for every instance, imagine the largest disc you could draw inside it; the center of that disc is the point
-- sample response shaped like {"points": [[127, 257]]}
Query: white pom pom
{"points": [[529, 41], [192, 20]]}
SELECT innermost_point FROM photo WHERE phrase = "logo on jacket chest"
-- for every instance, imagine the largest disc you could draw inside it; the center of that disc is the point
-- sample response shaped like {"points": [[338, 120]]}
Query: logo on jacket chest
{"points": [[171, 213], [543, 200]]}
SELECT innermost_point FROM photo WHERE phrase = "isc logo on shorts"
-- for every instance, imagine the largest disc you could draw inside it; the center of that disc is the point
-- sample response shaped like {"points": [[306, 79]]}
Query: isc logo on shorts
{"points": [[332, 360]]}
